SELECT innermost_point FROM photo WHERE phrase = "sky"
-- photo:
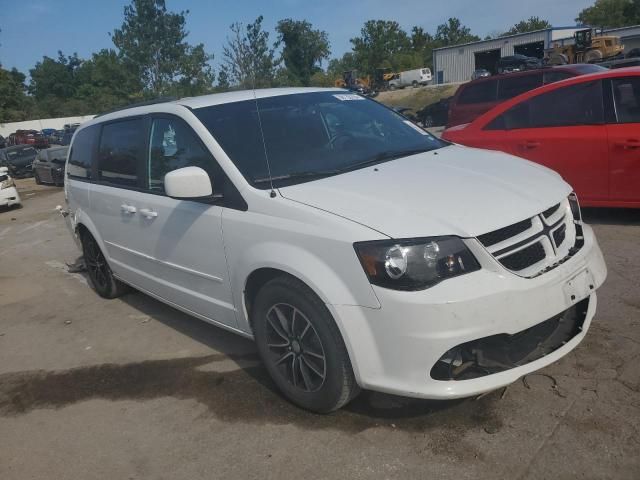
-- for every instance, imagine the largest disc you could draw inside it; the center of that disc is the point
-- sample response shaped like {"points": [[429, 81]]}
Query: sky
{"points": [[31, 29]]}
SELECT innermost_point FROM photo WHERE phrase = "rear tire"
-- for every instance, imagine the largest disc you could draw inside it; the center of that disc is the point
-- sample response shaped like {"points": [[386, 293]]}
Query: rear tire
{"points": [[37, 178], [100, 274], [302, 347], [428, 121]]}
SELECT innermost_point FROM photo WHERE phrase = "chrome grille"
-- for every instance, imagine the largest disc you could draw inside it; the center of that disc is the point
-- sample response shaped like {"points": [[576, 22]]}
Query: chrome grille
{"points": [[534, 245]]}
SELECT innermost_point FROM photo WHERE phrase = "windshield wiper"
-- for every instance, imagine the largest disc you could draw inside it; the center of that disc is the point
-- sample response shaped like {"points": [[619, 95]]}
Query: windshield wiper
{"points": [[387, 155], [380, 157], [307, 175]]}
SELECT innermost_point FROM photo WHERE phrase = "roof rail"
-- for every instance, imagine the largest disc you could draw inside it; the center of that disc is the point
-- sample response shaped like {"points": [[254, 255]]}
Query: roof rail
{"points": [[139, 104]]}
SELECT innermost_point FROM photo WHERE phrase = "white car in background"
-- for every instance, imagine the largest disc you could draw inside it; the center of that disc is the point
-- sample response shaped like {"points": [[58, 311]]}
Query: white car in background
{"points": [[355, 248], [414, 78], [8, 192]]}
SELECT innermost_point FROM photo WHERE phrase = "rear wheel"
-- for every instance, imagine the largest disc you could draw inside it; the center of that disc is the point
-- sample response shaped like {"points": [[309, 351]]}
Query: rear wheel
{"points": [[428, 121], [301, 346], [37, 178], [100, 274]]}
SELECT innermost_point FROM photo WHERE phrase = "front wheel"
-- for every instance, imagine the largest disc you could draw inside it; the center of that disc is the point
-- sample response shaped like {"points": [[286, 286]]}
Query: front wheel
{"points": [[37, 178], [301, 346]]}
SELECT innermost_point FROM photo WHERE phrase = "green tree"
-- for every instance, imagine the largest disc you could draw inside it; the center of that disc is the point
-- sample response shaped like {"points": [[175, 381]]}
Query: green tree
{"points": [[529, 25], [610, 13], [55, 77], [303, 49], [379, 43], [248, 59], [15, 105], [105, 81], [454, 33], [152, 40]]}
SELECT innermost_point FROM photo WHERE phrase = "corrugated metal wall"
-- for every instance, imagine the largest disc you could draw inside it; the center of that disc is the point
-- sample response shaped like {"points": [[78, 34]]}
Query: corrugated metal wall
{"points": [[458, 63]]}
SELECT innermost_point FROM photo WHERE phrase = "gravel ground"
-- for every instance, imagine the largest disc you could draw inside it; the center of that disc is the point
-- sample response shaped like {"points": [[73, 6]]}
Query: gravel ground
{"points": [[130, 388]]}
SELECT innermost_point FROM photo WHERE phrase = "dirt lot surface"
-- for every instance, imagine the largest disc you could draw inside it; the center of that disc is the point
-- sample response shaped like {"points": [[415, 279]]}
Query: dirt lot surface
{"points": [[417, 98], [132, 389]]}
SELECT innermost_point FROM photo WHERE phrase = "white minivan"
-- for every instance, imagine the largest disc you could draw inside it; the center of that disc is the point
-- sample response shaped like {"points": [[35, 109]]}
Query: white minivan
{"points": [[356, 249]]}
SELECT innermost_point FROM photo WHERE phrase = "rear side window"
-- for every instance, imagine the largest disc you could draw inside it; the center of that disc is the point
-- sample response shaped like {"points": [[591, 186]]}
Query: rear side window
{"points": [[81, 156], [555, 76], [579, 104], [175, 145], [481, 92], [121, 152], [509, 87], [626, 95]]}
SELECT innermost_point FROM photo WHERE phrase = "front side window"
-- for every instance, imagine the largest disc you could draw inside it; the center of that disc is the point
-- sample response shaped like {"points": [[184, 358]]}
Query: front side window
{"points": [[175, 145], [311, 134], [579, 104], [626, 95], [122, 146]]}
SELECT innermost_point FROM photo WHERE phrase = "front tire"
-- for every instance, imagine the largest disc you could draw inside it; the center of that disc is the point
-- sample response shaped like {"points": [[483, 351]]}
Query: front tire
{"points": [[100, 274], [302, 347], [37, 178]]}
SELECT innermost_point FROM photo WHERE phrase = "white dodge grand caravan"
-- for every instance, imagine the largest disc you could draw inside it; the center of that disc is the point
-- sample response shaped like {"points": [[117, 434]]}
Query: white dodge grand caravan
{"points": [[357, 250]]}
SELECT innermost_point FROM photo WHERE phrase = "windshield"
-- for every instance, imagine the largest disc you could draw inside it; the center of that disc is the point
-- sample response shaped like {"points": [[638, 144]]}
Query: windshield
{"points": [[311, 135]]}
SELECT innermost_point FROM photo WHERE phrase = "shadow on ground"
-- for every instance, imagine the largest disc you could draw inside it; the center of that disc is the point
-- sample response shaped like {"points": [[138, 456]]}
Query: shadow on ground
{"points": [[611, 216]]}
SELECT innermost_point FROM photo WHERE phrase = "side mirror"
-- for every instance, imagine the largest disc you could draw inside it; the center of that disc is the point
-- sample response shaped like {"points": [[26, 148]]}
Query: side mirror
{"points": [[188, 182]]}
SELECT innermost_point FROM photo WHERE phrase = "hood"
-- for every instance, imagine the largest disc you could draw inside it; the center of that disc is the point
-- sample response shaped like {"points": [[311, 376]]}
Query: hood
{"points": [[451, 191]]}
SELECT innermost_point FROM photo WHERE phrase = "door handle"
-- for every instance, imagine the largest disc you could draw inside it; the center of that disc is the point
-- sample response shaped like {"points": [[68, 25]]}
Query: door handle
{"points": [[630, 144], [148, 213], [530, 144], [130, 209]]}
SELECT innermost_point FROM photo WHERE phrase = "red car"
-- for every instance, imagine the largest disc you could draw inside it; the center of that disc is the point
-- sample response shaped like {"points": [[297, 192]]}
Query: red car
{"points": [[479, 96], [586, 128], [28, 137]]}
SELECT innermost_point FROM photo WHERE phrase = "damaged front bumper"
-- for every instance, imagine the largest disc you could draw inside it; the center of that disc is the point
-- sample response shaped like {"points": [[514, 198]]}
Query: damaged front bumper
{"points": [[473, 333]]}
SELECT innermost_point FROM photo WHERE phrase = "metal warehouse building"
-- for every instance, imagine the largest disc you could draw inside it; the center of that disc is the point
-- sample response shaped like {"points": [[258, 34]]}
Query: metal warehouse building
{"points": [[457, 63]]}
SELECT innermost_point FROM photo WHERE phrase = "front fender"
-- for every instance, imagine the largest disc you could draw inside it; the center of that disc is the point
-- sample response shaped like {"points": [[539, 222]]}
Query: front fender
{"points": [[349, 286]]}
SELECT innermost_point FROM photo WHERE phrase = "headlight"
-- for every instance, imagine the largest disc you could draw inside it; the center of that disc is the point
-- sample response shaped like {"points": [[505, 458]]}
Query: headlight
{"points": [[415, 264], [575, 207], [7, 183]]}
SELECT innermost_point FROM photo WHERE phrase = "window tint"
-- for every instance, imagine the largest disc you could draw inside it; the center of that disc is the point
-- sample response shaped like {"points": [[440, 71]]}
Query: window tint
{"points": [[509, 87], [626, 94], [479, 93], [122, 146], [175, 145], [574, 105], [310, 133], [555, 76], [81, 156]]}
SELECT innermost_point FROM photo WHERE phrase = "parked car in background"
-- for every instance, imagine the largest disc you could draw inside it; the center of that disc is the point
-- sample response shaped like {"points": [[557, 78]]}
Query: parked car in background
{"points": [[413, 78], [18, 159], [517, 63], [56, 137], [585, 128], [8, 192], [28, 137], [474, 98], [362, 253], [48, 167], [66, 138], [47, 132], [436, 114], [480, 73]]}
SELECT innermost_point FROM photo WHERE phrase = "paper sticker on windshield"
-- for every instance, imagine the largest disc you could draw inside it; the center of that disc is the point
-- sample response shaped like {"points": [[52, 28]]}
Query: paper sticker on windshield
{"points": [[348, 96], [416, 127]]}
